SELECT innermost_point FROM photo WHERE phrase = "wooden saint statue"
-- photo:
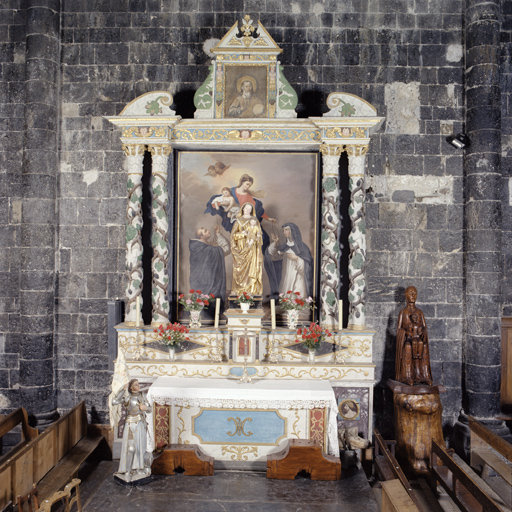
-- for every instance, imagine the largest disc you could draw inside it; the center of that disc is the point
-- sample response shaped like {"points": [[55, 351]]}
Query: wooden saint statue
{"points": [[412, 353], [246, 249]]}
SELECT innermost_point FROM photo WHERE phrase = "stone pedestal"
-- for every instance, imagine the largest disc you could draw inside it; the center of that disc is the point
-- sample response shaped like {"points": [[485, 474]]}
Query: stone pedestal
{"points": [[418, 413]]}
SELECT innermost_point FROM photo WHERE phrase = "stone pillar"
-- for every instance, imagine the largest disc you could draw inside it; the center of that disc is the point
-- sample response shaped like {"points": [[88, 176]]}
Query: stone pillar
{"points": [[483, 208], [38, 222], [330, 250], [134, 156], [160, 203], [357, 238]]}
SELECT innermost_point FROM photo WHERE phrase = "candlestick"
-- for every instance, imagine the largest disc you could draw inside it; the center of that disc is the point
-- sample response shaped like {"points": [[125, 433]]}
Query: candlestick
{"points": [[273, 313], [137, 308], [340, 315], [217, 312]]}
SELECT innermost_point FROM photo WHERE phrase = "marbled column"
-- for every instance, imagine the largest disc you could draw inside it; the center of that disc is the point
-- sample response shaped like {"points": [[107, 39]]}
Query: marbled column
{"points": [[160, 280], [38, 218], [483, 182], [357, 237], [330, 250], [134, 156]]}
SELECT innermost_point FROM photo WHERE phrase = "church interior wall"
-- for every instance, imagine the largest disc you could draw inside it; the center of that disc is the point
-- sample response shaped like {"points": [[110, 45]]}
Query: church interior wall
{"points": [[406, 58]]}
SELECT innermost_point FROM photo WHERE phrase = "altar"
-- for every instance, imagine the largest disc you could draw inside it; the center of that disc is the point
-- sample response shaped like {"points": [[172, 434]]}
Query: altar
{"points": [[203, 171], [234, 421]]}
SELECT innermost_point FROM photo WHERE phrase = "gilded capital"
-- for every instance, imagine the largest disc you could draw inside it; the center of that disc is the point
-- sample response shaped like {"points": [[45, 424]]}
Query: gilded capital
{"points": [[160, 149], [330, 150], [356, 149], [134, 149]]}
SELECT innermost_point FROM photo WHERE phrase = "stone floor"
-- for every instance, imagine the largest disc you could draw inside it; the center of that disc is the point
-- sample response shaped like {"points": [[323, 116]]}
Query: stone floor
{"points": [[226, 491]]}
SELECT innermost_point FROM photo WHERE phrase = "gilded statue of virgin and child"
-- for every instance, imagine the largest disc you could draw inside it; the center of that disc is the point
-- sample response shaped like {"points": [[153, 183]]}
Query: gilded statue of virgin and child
{"points": [[247, 253]]}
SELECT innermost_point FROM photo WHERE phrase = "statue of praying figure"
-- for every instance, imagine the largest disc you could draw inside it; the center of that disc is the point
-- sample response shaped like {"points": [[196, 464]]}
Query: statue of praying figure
{"points": [[412, 364]]}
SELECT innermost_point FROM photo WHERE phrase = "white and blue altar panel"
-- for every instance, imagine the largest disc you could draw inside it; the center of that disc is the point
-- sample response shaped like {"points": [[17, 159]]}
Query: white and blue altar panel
{"points": [[234, 421]]}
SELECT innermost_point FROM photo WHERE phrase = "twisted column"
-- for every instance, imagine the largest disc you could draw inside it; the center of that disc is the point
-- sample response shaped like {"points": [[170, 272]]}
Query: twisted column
{"points": [[357, 237], [134, 156], [160, 280], [330, 250]]}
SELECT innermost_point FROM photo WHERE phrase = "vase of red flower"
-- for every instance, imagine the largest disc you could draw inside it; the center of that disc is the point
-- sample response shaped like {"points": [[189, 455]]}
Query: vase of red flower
{"points": [[171, 336], [245, 301], [311, 337], [195, 304], [293, 303]]}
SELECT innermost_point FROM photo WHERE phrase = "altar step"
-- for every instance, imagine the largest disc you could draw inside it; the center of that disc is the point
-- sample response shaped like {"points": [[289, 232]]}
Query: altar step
{"points": [[303, 455], [187, 457]]}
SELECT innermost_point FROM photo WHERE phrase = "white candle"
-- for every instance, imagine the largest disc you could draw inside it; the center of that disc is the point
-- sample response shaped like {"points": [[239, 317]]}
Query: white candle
{"points": [[273, 313], [340, 315], [137, 311], [217, 312]]}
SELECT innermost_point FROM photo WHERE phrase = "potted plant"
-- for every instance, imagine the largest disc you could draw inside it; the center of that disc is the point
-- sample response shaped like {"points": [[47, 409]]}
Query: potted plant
{"points": [[245, 301], [293, 303], [311, 337], [195, 303], [172, 335]]}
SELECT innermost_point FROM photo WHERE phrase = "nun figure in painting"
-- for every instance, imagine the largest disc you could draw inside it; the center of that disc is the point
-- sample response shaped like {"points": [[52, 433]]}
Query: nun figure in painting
{"points": [[292, 262], [246, 249], [135, 462]]}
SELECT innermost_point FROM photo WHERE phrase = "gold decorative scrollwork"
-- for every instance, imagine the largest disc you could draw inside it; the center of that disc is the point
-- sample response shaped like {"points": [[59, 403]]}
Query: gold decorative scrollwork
{"points": [[235, 42], [246, 135], [296, 432], [240, 452], [182, 428], [239, 427], [144, 132]]}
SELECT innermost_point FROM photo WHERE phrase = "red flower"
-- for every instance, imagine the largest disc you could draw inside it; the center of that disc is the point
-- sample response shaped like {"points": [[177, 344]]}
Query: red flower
{"points": [[198, 291], [296, 293], [191, 291], [212, 296], [289, 291], [180, 296]]}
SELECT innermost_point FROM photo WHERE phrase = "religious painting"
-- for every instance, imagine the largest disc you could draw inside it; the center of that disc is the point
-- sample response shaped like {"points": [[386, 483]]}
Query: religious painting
{"points": [[245, 94], [283, 191], [349, 409]]}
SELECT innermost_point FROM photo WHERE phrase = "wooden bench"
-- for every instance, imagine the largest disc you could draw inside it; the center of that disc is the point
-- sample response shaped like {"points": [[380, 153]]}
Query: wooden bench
{"points": [[50, 459], [463, 485], [397, 493], [303, 455], [491, 457]]}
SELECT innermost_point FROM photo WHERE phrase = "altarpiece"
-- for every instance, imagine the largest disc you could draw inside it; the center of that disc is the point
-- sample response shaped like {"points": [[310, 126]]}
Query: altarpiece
{"points": [[245, 124]]}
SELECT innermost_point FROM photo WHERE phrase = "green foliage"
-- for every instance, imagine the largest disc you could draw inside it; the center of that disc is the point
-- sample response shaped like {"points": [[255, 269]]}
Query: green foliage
{"points": [[329, 185], [131, 233], [330, 298], [347, 110], [136, 284], [357, 261]]}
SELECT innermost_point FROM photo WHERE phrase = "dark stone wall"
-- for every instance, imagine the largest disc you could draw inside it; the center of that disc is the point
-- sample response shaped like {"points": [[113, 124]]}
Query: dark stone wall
{"points": [[12, 109], [406, 58]]}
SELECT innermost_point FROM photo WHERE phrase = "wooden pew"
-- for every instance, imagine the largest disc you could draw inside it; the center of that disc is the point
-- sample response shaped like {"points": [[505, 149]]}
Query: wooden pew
{"points": [[491, 456], [463, 485], [397, 493], [49, 459]]}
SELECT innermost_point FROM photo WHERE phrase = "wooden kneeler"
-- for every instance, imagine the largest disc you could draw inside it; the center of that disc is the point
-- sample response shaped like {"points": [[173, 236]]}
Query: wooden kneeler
{"points": [[186, 456], [303, 455]]}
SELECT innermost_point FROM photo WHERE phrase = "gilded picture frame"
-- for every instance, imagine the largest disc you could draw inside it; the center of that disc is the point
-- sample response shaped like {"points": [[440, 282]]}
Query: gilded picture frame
{"points": [[285, 187]]}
